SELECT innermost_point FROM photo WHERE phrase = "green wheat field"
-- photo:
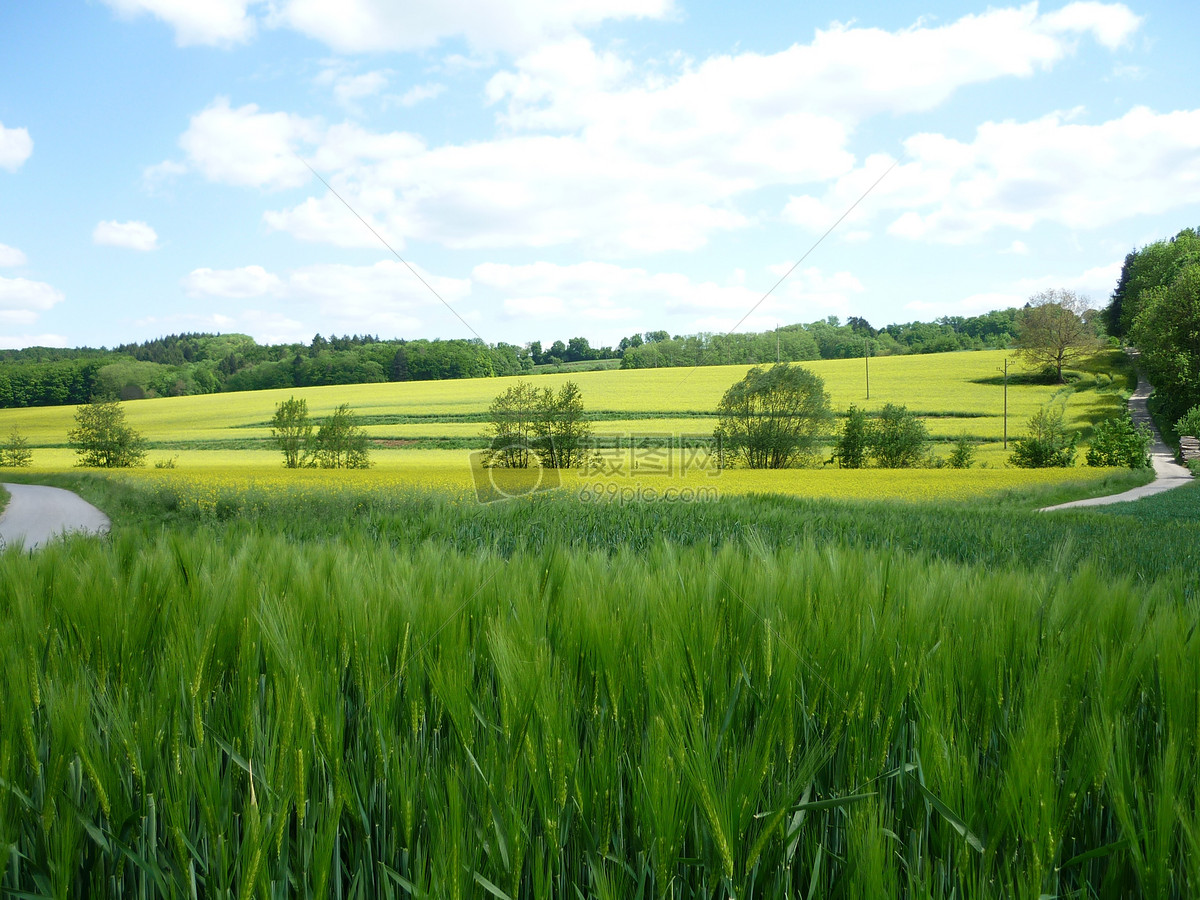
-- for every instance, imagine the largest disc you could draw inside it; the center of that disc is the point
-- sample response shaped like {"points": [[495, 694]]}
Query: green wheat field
{"points": [[366, 685]]}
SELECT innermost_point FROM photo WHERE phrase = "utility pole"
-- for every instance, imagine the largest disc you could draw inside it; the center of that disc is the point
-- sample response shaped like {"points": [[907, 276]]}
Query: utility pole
{"points": [[1005, 402], [867, 361]]}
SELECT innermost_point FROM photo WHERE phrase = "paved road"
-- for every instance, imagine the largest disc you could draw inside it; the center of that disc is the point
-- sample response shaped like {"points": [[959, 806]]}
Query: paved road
{"points": [[1168, 474], [37, 514]]}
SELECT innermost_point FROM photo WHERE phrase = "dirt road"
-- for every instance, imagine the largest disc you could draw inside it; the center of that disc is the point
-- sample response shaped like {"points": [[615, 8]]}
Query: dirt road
{"points": [[37, 514]]}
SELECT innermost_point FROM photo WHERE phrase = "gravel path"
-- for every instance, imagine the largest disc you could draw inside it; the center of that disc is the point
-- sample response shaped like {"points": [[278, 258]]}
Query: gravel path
{"points": [[36, 514], [1168, 474]]}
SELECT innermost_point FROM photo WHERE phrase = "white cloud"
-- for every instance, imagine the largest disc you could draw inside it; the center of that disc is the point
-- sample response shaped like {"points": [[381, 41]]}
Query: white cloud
{"points": [[1017, 175], [155, 177], [217, 22], [974, 305], [419, 93], [606, 292], [370, 26], [249, 148], [131, 235], [621, 160], [348, 88], [11, 256], [240, 283], [1096, 283], [17, 342], [22, 300], [16, 146], [385, 297]]}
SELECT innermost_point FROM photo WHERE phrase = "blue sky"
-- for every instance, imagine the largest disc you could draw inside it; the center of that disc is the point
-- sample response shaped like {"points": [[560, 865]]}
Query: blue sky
{"points": [[555, 168]]}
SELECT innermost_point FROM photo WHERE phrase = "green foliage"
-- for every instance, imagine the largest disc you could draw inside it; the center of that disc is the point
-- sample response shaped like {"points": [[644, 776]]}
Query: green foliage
{"points": [[562, 432], [1055, 330], [1189, 423], [853, 440], [341, 443], [1118, 442], [773, 418], [1167, 331], [897, 438], [513, 428], [1047, 445], [16, 453], [963, 454], [292, 431], [103, 440], [1154, 266], [240, 707]]}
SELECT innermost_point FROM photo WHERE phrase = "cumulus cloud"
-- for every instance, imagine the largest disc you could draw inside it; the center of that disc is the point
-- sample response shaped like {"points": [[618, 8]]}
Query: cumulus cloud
{"points": [[372, 26], [385, 297], [1017, 175], [16, 146], [240, 283], [215, 22], [246, 147], [11, 256], [22, 300], [17, 342], [131, 235]]}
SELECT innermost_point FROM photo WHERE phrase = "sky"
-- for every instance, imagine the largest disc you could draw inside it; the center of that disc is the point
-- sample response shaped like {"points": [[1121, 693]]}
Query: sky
{"points": [[545, 169]]}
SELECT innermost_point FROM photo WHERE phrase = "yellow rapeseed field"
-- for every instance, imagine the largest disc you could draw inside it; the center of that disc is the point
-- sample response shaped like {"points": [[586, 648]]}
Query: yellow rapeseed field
{"points": [[956, 392]]}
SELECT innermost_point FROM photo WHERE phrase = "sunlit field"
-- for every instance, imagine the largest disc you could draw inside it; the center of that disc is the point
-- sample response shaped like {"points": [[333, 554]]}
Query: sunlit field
{"points": [[219, 442], [958, 391]]}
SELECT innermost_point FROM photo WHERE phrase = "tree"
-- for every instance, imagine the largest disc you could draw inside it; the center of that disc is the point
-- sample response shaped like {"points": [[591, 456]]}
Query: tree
{"points": [[102, 438], [852, 443], [292, 432], [16, 453], [341, 442], [1167, 331], [562, 433], [773, 418], [963, 453], [897, 438], [513, 424], [527, 424], [1053, 330], [1047, 445]]}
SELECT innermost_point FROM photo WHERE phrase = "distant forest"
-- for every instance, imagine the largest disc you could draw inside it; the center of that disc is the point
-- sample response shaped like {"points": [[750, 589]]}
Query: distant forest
{"points": [[183, 364]]}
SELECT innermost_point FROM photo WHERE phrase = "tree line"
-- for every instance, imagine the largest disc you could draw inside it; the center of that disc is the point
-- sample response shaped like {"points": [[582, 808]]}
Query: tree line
{"points": [[1156, 307], [185, 364]]}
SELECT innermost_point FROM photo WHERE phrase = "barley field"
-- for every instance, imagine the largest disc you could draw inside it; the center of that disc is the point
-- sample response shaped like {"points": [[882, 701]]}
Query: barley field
{"points": [[405, 696]]}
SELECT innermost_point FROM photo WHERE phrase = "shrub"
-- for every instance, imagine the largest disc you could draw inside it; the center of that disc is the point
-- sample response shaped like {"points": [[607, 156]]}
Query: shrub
{"points": [[852, 443], [1189, 423], [103, 440], [1118, 442], [16, 453], [964, 452], [897, 438], [1047, 445]]}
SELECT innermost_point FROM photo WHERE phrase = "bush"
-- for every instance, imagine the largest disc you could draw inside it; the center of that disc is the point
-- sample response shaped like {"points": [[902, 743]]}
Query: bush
{"points": [[1118, 442], [1189, 423], [897, 438], [103, 440], [1047, 445], [964, 452], [16, 453], [852, 443]]}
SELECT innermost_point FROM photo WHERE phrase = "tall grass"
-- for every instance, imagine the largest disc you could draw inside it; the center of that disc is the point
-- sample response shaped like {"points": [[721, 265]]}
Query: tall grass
{"points": [[229, 710]]}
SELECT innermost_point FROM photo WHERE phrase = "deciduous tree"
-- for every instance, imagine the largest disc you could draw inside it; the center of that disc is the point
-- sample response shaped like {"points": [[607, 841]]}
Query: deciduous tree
{"points": [[293, 432], [1055, 329], [103, 440], [341, 442], [773, 418]]}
